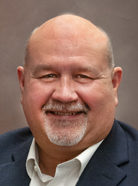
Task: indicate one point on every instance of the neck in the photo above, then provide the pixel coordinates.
(49, 160)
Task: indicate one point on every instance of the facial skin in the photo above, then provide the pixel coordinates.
(69, 93)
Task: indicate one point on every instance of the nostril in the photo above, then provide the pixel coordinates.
(64, 97)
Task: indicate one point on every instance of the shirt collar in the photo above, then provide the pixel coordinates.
(86, 155)
(32, 161)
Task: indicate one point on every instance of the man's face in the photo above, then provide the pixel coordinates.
(68, 92)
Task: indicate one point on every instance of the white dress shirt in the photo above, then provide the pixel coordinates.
(67, 173)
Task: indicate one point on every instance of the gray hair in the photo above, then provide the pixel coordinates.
(109, 50)
(27, 47)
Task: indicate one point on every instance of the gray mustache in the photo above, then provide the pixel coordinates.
(68, 107)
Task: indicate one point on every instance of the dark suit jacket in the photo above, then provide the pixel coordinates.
(114, 163)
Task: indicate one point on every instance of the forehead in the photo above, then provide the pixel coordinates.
(66, 46)
(66, 41)
(66, 52)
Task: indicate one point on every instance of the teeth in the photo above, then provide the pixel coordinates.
(65, 114)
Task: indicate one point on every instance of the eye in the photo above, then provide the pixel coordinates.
(81, 78)
(49, 77)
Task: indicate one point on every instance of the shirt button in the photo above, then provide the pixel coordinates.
(35, 168)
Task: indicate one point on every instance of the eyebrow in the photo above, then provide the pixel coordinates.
(42, 67)
(88, 69)
(46, 67)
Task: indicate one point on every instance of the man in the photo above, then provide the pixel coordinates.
(69, 94)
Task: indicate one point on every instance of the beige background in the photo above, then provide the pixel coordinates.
(19, 17)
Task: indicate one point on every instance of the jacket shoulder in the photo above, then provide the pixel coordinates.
(131, 132)
(11, 141)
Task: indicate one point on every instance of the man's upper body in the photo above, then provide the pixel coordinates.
(114, 163)
(69, 93)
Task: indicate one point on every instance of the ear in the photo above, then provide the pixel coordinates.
(116, 80)
(20, 72)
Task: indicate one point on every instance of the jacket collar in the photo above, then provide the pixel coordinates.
(104, 167)
(14, 172)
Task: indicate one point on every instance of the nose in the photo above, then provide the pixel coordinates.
(65, 91)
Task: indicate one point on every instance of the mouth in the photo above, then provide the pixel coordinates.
(65, 113)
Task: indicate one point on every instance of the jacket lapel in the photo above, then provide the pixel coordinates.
(14, 173)
(104, 167)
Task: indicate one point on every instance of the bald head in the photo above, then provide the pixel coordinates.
(74, 29)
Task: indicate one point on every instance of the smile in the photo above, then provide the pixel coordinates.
(65, 113)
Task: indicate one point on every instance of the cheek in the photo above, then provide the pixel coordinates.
(34, 97)
(91, 96)
(97, 96)
(36, 94)
(101, 115)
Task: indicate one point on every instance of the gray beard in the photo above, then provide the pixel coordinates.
(65, 135)
(65, 132)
